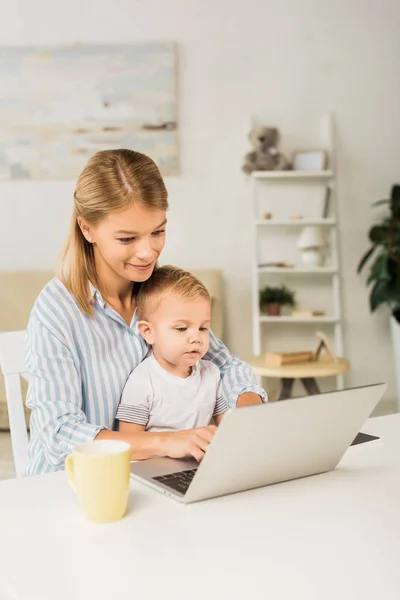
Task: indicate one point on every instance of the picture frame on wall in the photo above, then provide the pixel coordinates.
(61, 104)
(310, 160)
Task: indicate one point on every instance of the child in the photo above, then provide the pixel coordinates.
(173, 388)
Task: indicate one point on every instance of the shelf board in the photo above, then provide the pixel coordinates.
(294, 222)
(288, 319)
(326, 174)
(298, 270)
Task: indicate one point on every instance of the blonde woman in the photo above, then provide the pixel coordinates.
(83, 340)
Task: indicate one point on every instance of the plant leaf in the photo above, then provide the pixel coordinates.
(378, 295)
(379, 270)
(379, 202)
(365, 258)
(378, 234)
(395, 193)
(282, 295)
(394, 238)
(393, 268)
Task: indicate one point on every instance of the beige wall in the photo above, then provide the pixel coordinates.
(287, 62)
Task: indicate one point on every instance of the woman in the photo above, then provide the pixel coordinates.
(82, 335)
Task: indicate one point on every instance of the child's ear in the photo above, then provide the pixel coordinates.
(146, 331)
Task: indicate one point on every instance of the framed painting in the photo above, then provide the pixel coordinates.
(61, 105)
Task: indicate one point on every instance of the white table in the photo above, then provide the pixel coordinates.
(330, 537)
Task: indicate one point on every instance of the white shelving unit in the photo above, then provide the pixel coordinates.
(323, 319)
(295, 223)
(288, 175)
(299, 270)
(265, 184)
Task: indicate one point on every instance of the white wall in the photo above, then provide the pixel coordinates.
(287, 61)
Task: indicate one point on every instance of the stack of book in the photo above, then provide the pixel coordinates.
(278, 359)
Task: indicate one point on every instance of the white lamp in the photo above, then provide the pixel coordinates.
(311, 243)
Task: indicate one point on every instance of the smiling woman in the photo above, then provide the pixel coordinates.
(122, 257)
(118, 226)
(83, 339)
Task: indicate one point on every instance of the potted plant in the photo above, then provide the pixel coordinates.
(384, 269)
(273, 298)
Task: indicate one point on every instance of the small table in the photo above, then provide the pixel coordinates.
(307, 372)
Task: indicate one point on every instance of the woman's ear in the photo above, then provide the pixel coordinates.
(86, 230)
(146, 331)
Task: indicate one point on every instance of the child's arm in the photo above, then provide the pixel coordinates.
(133, 411)
(220, 405)
(218, 419)
(175, 444)
(126, 427)
(133, 414)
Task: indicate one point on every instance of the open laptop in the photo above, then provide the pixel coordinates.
(263, 444)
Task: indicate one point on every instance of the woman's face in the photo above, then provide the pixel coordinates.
(127, 243)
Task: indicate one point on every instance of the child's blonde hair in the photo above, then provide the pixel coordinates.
(110, 181)
(165, 281)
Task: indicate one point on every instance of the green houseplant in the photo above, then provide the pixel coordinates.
(273, 298)
(384, 258)
(384, 271)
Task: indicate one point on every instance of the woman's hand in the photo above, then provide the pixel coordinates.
(248, 399)
(188, 442)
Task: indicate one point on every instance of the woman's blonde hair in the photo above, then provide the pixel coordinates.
(164, 281)
(110, 181)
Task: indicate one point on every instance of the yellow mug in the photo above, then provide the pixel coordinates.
(98, 472)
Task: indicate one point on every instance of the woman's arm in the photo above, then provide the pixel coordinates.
(239, 385)
(58, 422)
(249, 398)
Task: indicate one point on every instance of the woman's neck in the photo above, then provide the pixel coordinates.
(117, 292)
(124, 305)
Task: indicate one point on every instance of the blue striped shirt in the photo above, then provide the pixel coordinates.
(79, 365)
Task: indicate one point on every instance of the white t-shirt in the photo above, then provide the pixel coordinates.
(164, 402)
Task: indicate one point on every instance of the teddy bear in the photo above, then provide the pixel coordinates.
(265, 156)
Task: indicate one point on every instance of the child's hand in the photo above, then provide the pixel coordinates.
(188, 442)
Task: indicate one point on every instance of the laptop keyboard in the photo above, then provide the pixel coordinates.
(178, 481)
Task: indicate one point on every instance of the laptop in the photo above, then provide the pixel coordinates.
(259, 445)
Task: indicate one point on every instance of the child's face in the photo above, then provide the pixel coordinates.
(180, 330)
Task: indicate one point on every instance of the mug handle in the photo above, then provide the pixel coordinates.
(69, 469)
